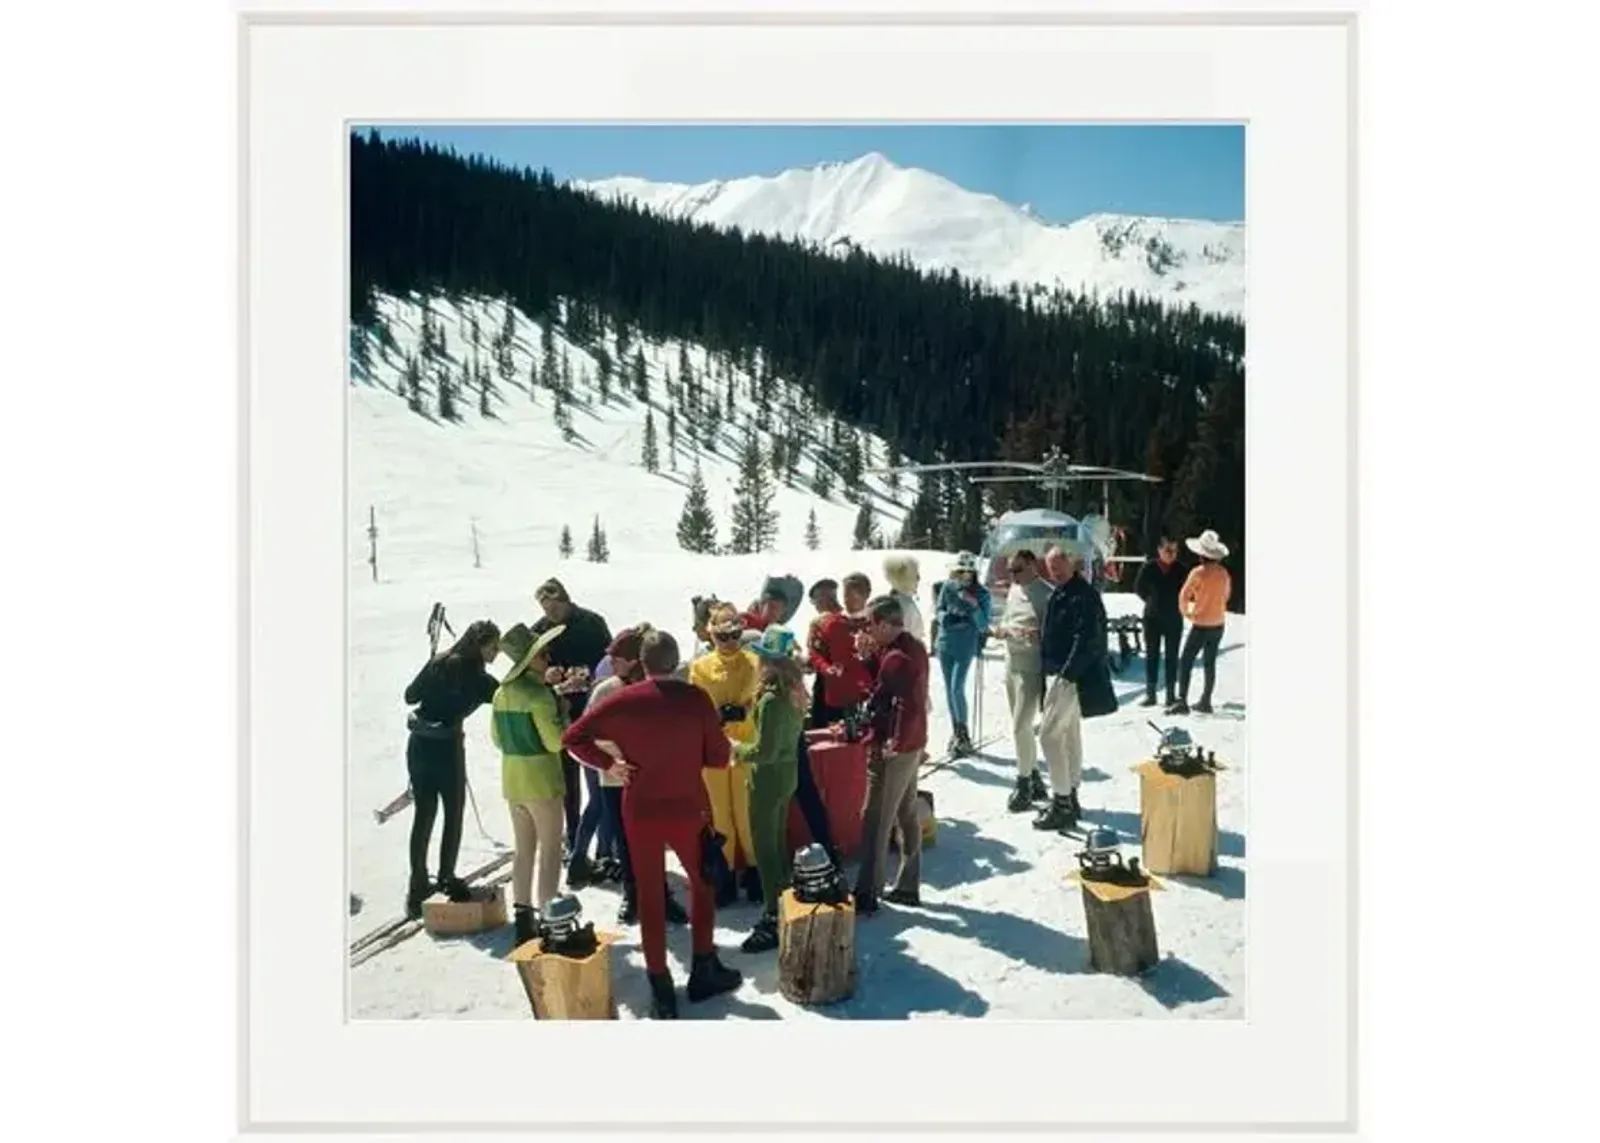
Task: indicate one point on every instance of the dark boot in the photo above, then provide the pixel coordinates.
(1039, 792)
(750, 882)
(527, 922)
(676, 913)
(455, 889)
(1149, 699)
(710, 977)
(663, 998)
(1022, 797)
(727, 891)
(866, 904)
(580, 872)
(421, 889)
(1179, 707)
(764, 937)
(904, 897)
(1057, 815)
(1203, 706)
(1075, 810)
(628, 914)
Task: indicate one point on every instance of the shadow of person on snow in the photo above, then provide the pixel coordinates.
(1015, 937)
(1227, 882)
(1173, 983)
(962, 855)
(1229, 844)
(982, 775)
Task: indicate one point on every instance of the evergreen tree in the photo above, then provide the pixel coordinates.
(413, 384)
(641, 380)
(599, 550)
(709, 424)
(672, 438)
(566, 542)
(850, 462)
(755, 519)
(822, 481)
(624, 343)
(566, 373)
(483, 394)
(892, 463)
(685, 371)
(533, 380)
(549, 370)
(477, 340)
(697, 527)
(813, 537)
(602, 375)
(563, 417)
(508, 328)
(863, 534)
(652, 454)
(447, 402)
(780, 461)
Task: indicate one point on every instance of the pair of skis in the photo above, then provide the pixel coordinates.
(490, 875)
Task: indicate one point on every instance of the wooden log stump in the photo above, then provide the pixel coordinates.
(1121, 925)
(1177, 821)
(487, 910)
(816, 950)
(567, 988)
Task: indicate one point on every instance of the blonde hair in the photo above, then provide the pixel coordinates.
(721, 613)
(901, 572)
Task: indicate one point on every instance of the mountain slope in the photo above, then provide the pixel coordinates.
(506, 483)
(888, 210)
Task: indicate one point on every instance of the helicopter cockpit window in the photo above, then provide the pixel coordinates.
(1010, 534)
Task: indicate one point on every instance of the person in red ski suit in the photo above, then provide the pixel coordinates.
(657, 735)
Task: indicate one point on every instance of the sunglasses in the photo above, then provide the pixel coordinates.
(727, 636)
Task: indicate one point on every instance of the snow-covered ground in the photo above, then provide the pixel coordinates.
(890, 210)
(1001, 932)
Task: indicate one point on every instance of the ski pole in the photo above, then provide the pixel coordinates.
(473, 798)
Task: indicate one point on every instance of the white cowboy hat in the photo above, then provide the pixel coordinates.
(964, 562)
(1208, 545)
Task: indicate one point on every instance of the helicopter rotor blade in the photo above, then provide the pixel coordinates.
(954, 466)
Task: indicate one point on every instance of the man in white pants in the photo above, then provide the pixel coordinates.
(1072, 654)
(1020, 622)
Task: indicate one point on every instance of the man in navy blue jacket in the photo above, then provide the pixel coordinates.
(1077, 679)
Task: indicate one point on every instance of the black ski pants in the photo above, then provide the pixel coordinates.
(1161, 638)
(438, 771)
(1203, 643)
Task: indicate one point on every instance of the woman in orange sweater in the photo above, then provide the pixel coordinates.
(1203, 600)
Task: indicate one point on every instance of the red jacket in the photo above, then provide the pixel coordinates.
(833, 644)
(753, 621)
(668, 731)
(898, 708)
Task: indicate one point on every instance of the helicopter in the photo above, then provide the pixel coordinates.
(1093, 536)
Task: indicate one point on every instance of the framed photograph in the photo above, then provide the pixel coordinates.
(833, 526)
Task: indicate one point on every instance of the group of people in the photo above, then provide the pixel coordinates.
(704, 755)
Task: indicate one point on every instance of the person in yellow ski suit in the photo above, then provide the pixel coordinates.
(731, 675)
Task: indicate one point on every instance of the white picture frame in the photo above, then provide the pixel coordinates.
(305, 76)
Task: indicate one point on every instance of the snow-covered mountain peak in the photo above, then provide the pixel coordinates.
(873, 204)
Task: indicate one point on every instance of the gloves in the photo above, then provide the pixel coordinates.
(731, 713)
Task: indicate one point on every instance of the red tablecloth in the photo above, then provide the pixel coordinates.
(840, 770)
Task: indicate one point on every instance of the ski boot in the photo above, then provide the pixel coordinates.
(866, 904)
(527, 922)
(911, 897)
(1058, 815)
(710, 977)
(1075, 810)
(1038, 790)
(727, 891)
(764, 937)
(1179, 707)
(663, 998)
(1203, 706)
(1149, 699)
(421, 889)
(456, 889)
(750, 882)
(581, 873)
(676, 913)
(963, 742)
(1022, 797)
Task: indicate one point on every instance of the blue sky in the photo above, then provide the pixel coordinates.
(1065, 172)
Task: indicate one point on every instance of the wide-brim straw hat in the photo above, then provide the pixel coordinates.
(1209, 545)
(520, 645)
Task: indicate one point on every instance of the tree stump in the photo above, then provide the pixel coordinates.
(487, 910)
(567, 988)
(1121, 924)
(816, 950)
(1177, 821)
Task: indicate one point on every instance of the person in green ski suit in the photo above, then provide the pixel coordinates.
(774, 756)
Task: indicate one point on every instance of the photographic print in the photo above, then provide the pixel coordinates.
(797, 572)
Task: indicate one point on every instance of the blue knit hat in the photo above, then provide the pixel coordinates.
(775, 643)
